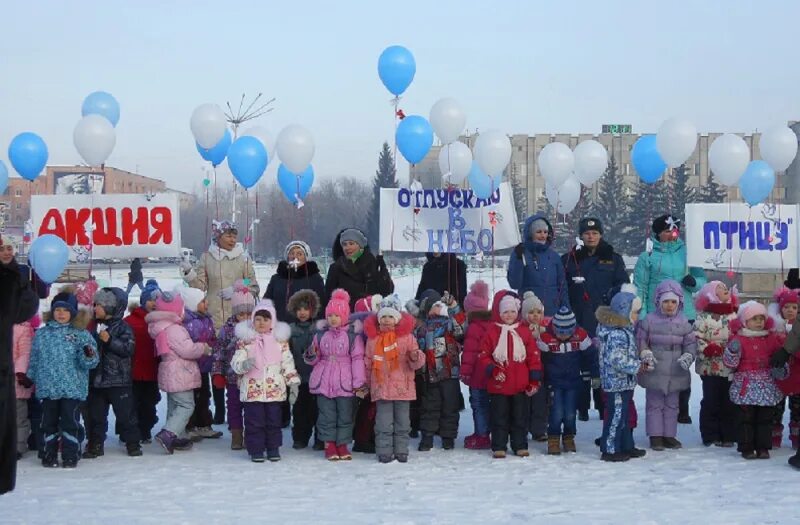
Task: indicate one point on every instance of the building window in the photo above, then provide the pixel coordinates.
(19, 205)
(18, 192)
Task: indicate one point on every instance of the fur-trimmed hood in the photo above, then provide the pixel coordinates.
(158, 321)
(404, 327)
(774, 313)
(304, 270)
(80, 320)
(527, 235)
(605, 315)
(306, 296)
(245, 332)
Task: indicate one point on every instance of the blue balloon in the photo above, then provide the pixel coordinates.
(3, 177)
(49, 256)
(218, 153)
(295, 186)
(247, 159)
(757, 182)
(396, 67)
(101, 103)
(483, 186)
(646, 160)
(28, 154)
(414, 138)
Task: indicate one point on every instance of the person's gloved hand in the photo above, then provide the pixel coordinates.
(532, 388)
(648, 359)
(713, 350)
(310, 354)
(226, 293)
(595, 383)
(685, 360)
(294, 391)
(23, 380)
(218, 381)
(519, 249)
(499, 375)
(688, 281)
(779, 358)
(88, 351)
(248, 364)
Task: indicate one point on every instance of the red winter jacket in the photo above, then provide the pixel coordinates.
(519, 376)
(478, 323)
(145, 361)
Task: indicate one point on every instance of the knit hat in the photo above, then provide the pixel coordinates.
(219, 228)
(370, 303)
(564, 322)
(150, 288)
(625, 302)
(666, 222)
(242, 300)
(784, 296)
(390, 306)
(355, 235)
(509, 303)
(590, 223)
(531, 302)
(669, 296)
(191, 297)
(751, 309)
(427, 300)
(85, 291)
(339, 304)
(299, 244)
(170, 302)
(105, 297)
(478, 297)
(65, 300)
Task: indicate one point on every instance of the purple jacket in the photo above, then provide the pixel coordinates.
(668, 337)
(224, 348)
(338, 369)
(201, 330)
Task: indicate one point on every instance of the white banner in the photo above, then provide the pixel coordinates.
(447, 221)
(740, 238)
(110, 225)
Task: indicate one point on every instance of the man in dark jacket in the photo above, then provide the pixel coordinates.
(444, 272)
(594, 273)
(18, 303)
(355, 269)
(111, 383)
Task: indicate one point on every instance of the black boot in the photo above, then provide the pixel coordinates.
(93, 450)
(795, 460)
(426, 443)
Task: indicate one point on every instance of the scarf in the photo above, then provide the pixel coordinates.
(386, 353)
(357, 255)
(720, 308)
(500, 354)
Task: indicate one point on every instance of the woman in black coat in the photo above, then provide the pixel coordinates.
(444, 272)
(297, 272)
(355, 269)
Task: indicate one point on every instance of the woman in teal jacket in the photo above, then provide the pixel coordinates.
(667, 260)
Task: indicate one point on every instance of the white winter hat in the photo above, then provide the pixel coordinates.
(191, 297)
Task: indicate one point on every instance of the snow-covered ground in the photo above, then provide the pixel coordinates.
(212, 484)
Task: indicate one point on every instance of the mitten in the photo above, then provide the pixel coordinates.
(23, 380)
(248, 364)
(218, 381)
(689, 282)
(310, 354)
(294, 390)
(685, 360)
(88, 351)
(595, 383)
(713, 350)
(519, 249)
(648, 360)
(226, 293)
(779, 358)
(532, 388)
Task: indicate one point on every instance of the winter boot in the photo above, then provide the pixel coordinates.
(134, 449)
(299, 445)
(208, 433)
(499, 454)
(331, 453)
(749, 454)
(448, 443)
(167, 440)
(795, 460)
(794, 434)
(657, 443)
(237, 439)
(762, 454)
(469, 441)
(583, 415)
(401, 458)
(540, 438)
(553, 445)
(522, 453)
(69, 463)
(319, 446)
(614, 458)
(777, 436)
(484, 442)
(568, 443)
(636, 453)
(671, 442)
(194, 434)
(343, 453)
(274, 455)
(183, 444)
(426, 443)
(385, 458)
(258, 458)
(93, 450)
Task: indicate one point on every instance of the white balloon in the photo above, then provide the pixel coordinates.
(676, 140)
(728, 158)
(568, 195)
(455, 159)
(492, 152)
(94, 138)
(448, 119)
(778, 146)
(295, 148)
(591, 161)
(266, 138)
(208, 125)
(556, 162)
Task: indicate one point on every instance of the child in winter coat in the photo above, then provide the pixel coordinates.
(619, 364)
(146, 395)
(533, 315)
(62, 354)
(266, 369)
(178, 373)
(391, 358)
(784, 314)
(337, 357)
(479, 318)
(511, 361)
(716, 307)
(111, 383)
(753, 387)
(200, 326)
(568, 355)
(23, 337)
(667, 346)
(304, 308)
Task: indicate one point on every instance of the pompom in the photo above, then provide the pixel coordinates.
(340, 295)
(480, 288)
(528, 295)
(239, 286)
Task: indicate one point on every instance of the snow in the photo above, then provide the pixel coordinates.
(212, 484)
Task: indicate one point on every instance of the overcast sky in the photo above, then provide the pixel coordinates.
(519, 66)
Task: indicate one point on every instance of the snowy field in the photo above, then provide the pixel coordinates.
(212, 484)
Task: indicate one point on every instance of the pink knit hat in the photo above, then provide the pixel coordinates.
(509, 303)
(170, 302)
(339, 304)
(370, 303)
(478, 297)
(751, 309)
(85, 292)
(784, 296)
(242, 300)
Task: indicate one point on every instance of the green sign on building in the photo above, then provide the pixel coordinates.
(617, 128)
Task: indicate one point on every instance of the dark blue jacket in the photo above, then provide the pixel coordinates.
(538, 269)
(567, 364)
(287, 280)
(592, 281)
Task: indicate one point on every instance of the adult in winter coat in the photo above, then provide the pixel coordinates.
(41, 288)
(18, 303)
(135, 276)
(444, 272)
(297, 272)
(219, 268)
(355, 269)
(667, 260)
(535, 266)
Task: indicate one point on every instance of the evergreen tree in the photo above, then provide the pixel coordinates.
(612, 204)
(648, 201)
(681, 192)
(562, 230)
(712, 191)
(385, 177)
(520, 196)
